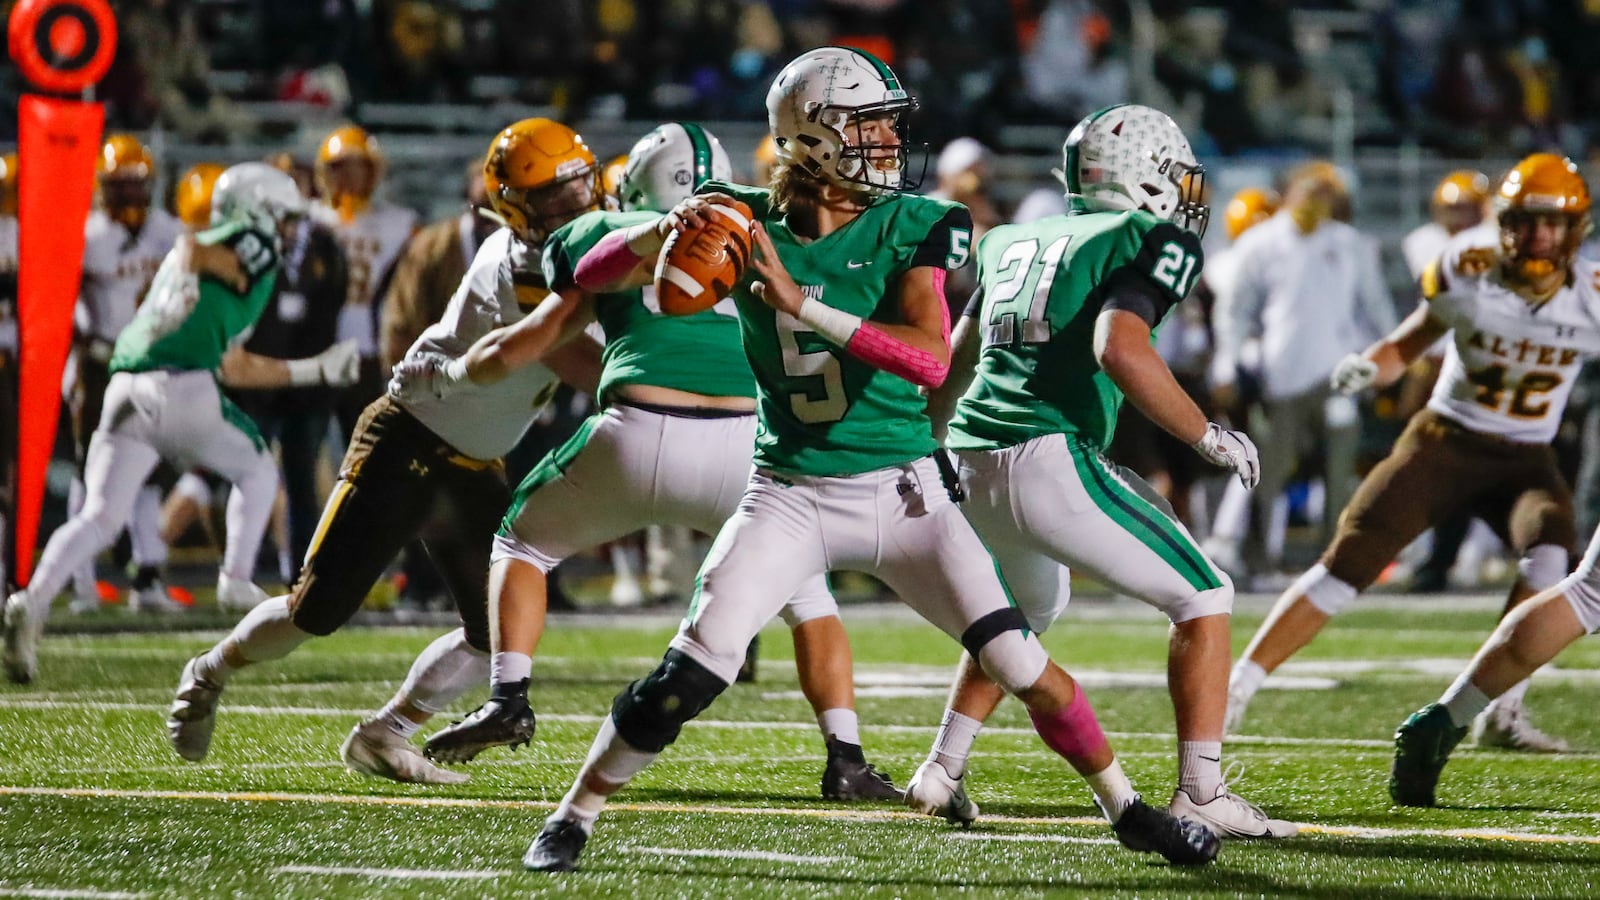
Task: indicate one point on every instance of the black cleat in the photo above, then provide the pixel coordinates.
(499, 722)
(847, 780)
(557, 847)
(1422, 746)
(752, 655)
(1146, 829)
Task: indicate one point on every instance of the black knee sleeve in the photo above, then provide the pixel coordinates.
(650, 712)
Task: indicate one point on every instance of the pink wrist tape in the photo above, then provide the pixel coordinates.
(874, 347)
(606, 262)
(1073, 732)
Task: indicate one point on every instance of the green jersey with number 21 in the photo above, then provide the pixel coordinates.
(821, 410)
(1042, 286)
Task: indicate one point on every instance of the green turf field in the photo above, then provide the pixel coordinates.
(94, 804)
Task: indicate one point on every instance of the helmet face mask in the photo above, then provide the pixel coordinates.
(840, 115)
(256, 195)
(1128, 157)
(669, 164)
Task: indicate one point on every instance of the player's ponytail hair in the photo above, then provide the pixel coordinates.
(794, 189)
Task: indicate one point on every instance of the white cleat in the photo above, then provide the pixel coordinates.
(21, 633)
(1507, 727)
(933, 792)
(373, 749)
(238, 594)
(193, 714)
(1230, 816)
(154, 599)
(83, 604)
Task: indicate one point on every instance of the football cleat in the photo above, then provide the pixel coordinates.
(1230, 816)
(1422, 746)
(1506, 726)
(847, 780)
(1143, 828)
(507, 722)
(83, 604)
(153, 598)
(374, 749)
(21, 633)
(557, 847)
(238, 594)
(193, 713)
(933, 792)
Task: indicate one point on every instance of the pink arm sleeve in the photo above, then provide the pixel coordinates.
(606, 262)
(876, 348)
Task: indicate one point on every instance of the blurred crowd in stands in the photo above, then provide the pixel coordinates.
(1467, 77)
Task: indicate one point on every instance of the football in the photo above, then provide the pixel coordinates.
(699, 266)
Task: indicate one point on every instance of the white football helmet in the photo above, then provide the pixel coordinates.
(1133, 157)
(669, 164)
(255, 194)
(813, 105)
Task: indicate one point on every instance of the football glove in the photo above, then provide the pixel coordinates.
(426, 376)
(1231, 450)
(1353, 374)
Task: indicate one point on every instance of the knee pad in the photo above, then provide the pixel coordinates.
(1001, 644)
(1542, 566)
(650, 712)
(1324, 591)
(803, 607)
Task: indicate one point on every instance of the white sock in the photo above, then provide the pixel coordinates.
(1112, 791)
(1200, 769)
(265, 633)
(389, 717)
(144, 529)
(610, 766)
(954, 742)
(506, 667)
(840, 724)
(249, 508)
(1246, 679)
(442, 672)
(1464, 700)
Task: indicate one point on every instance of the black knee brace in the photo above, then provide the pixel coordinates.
(650, 712)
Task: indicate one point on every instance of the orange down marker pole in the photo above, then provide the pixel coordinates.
(61, 47)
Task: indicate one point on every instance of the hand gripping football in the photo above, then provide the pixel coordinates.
(699, 266)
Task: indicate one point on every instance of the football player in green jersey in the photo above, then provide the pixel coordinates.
(843, 320)
(164, 402)
(670, 446)
(1058, 331)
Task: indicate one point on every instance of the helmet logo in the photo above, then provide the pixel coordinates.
(681, 177)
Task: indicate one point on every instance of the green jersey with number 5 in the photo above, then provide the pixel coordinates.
(1041, 287)
(821, 410)
(699, 353)
(175, 329)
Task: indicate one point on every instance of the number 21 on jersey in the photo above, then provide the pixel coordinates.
(1015, 315)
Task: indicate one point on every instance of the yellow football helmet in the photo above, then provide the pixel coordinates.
(192, 199)
(125, 170)
(8, 184)
(1248, 208)
(766, 158)
(1542, 184)
(611, 175)
(539, 175)
(349, 167)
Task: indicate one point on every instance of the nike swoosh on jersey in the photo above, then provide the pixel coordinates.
(852, 264)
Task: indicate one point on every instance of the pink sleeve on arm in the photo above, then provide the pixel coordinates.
(876, 348)
(606, 262)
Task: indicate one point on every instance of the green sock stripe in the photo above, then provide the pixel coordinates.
(1145, 522)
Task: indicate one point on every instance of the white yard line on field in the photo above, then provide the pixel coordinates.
(761, 855)
(1029, 838)
(407, 874)
(67, 893)
(856, 815)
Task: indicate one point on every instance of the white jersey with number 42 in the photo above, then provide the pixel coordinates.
(1510, 366)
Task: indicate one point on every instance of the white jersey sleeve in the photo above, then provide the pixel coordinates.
(485, 422)
(118, 267)
(372, 242)
(1510, 365)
